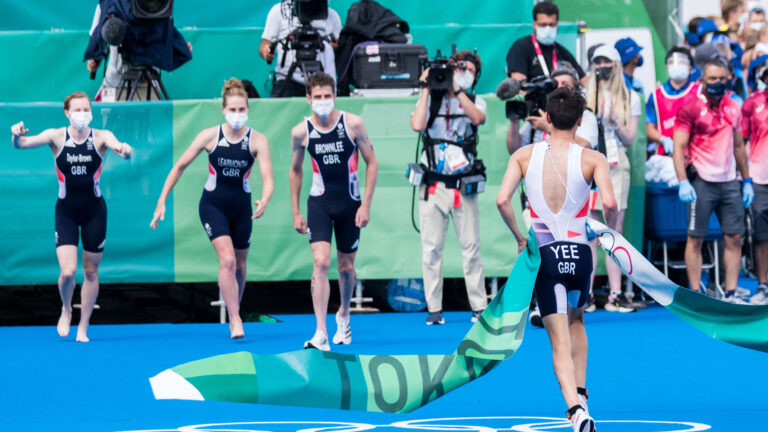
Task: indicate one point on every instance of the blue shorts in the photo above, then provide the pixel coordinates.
(232, 219)
(564, 277)
(324, 219)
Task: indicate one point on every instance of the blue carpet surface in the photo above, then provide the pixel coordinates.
(648, 371)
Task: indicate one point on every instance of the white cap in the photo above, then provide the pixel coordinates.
(606, 51)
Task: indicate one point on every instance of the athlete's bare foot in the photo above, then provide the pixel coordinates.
(82, 334)
(64, 320)
(236, 329)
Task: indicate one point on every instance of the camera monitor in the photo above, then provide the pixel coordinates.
(152, 9)
(310, 10)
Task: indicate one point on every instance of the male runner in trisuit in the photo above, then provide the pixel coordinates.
(332, 138)
(558, 215)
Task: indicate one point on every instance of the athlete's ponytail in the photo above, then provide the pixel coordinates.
(233, 87)
(75, 95)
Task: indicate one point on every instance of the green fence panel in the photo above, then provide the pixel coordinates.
(133, 253)
(218, 55)
(78, 14)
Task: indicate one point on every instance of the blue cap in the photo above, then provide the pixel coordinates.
(706, 26)
(753, 66)
(692, 38)
(627, 49)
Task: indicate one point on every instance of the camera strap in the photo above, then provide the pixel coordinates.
(540, 56)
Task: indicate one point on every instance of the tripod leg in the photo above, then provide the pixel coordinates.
(291, 70)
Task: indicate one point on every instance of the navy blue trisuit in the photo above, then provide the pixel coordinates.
(335, 194)
(80, 206)
(225, 206)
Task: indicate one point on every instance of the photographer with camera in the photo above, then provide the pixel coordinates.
(536, 127)
(302, 36)
(448, 119)
(618, 110)
(537, 55)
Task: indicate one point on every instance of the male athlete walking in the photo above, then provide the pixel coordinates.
(559, 214)
(333, 139)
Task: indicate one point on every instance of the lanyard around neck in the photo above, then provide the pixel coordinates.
(541, 56)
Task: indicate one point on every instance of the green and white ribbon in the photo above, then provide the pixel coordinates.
(738, 324)
(402, 383)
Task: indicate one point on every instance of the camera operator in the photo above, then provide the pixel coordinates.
(449, 127)
(281, 23)
(538, 127)
(129, 41)
(538, 54)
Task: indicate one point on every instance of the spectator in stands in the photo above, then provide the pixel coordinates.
(756, 19)
(536, 128)
(280, 24)
(754, 125)
(708, 126)
(631, 59)
(538, 54)
(618, 110)
(734, 12)
(691, 36)
(664, 103)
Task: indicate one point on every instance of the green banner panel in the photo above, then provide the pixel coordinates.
(133, 253)
(78, 14)
(218, 54)
(180, 251)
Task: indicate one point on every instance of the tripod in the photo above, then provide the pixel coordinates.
(136, 75)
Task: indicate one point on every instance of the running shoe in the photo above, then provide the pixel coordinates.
(590, 306)
(743, 293)
(343, 334)
(733, 297)
(581, 421)
(583, 399)
(535, 318)
(435, 318)
(617, 303)
(761, 296)
(319, 341)
(476, 315)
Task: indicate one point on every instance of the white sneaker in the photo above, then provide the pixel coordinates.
(343, 331)
(583, 403)
(761, 296)
(743, 293)
(581, 421)
(733, 298)
(318, 341)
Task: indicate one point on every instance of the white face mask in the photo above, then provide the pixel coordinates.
(464, 79)
(678, 72)
(80, 119)
(323, 108)
(236, 120)
(756, 26)
(760, 85)
(546, 35)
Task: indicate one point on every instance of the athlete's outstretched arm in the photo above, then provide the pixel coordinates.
(120, 148)
(189, 155)
(602, 177)
(509, 184)
(29, 142)
(365, 145)
(265, 166)
(298, 135)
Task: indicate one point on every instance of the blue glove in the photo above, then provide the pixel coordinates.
(686, 193)
(668, 145)
(747, 193)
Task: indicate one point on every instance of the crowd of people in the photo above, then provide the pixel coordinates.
(709, 117)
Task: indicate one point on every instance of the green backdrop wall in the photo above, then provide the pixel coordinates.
(179, 250)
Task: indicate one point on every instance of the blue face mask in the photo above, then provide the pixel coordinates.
(546, 35)
(640, 61)
(716, 90)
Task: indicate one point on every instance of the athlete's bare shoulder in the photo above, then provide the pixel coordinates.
(299, 134)
(522, 156)
(353, 120)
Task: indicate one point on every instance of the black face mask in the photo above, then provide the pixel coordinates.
(717, 90)
(604, 73)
